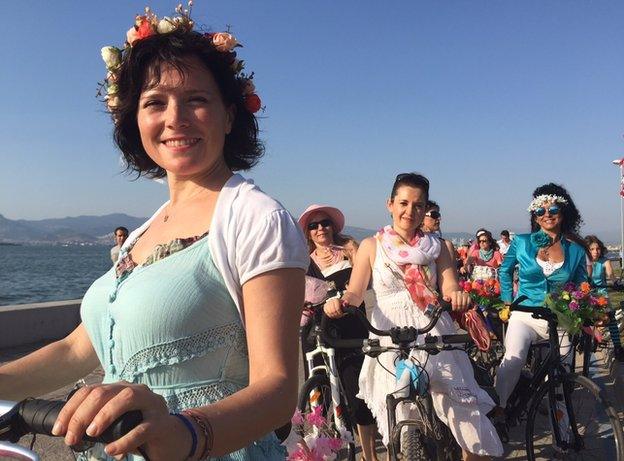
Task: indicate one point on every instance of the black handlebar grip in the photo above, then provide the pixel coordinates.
(38, 417)
(456, 339)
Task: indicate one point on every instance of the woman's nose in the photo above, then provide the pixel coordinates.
(176, 115)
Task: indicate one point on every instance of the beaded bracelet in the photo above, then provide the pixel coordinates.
(206, 428)
(191, 429)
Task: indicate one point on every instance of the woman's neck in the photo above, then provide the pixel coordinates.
(322, 246)
(210, 182)
(407, 236)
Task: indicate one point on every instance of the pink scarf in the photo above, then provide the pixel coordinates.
(413, 258)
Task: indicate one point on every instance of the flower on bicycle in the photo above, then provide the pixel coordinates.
(316, 418)
(297, 418)
(314, 437)
(576, 307)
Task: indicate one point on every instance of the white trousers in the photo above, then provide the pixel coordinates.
(522, 330)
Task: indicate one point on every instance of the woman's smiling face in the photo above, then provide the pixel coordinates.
(407, 208)
(183, 120)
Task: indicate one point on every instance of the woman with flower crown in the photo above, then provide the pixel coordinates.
(196, 325)
(405, 266)
(548, 258)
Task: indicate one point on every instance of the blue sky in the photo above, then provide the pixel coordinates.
(488, 99)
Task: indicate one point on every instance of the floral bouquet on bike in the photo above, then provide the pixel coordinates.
(486, 295)
(314, 437)
(577, 307)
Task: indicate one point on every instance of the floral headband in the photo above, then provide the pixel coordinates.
(541, 200)
(147, 25)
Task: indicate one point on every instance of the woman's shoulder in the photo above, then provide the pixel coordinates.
(244, 203)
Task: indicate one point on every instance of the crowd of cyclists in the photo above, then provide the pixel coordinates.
(408, 263)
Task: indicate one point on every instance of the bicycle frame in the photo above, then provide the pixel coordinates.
(549, 371)
(331, 370)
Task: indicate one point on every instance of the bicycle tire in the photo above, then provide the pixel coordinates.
(579, 393)
(412, 445)
(320, 384)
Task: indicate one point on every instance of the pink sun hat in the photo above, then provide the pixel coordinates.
(334, 214)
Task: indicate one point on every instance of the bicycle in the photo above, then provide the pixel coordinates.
(553, 400)
(425, 438)
(36, 416)
(323, 386)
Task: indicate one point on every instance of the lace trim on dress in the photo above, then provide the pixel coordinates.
(181, 350)
(200, 396)
(126, 264)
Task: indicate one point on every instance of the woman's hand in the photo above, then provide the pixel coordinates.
(333, 308)
(93, 408)
(460, 300)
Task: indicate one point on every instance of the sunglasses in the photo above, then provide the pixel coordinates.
(433, 214)
(484, 241)
(323, 223)
(552, 211)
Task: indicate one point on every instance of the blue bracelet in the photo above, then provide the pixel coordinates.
(191, 429)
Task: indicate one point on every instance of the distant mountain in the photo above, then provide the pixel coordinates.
(79, 229)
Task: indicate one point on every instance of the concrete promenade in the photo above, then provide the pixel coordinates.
(609, 374)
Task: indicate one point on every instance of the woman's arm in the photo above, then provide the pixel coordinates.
(271, 303)
(448, 281)
(452, 252)
(350, 249)
(580, 271)
(506, 270)
(608, 270)
(49, 368)
(358, 282)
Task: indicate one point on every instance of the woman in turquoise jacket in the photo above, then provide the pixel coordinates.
(552, 255)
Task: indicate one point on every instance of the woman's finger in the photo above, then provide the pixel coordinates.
(80, 410)
(134, 439)
(129, 398)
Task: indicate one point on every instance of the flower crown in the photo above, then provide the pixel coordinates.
(147, 25)
(540, 200)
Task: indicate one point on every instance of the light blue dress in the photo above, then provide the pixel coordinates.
(173, 326)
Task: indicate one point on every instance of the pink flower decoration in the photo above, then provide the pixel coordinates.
(403, 254)
(297, 419)
(574, 306)
(316, 418)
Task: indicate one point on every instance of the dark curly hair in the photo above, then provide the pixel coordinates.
(571, 217)
(242, 148)
(591, 239)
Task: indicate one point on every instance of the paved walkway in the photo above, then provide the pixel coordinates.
(610, 379)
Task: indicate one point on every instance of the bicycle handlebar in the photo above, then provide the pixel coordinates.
(36, 416)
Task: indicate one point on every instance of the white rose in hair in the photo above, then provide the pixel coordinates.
(166, 25)
(111, 56)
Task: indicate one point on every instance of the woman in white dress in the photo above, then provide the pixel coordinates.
(405, 265)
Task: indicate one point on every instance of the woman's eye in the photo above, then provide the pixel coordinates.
(151, 103)
(199, 99)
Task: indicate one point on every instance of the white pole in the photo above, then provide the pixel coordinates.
(621, 165)
(621, 220)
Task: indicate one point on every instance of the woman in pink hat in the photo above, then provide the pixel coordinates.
(332, 255)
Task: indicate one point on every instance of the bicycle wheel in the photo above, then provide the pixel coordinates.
(447, 449)
(574, 407)
(317, 391)
(412, 445)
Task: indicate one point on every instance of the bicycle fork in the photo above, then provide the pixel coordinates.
(331, 370)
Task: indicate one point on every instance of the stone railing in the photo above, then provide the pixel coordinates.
(31, 323)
